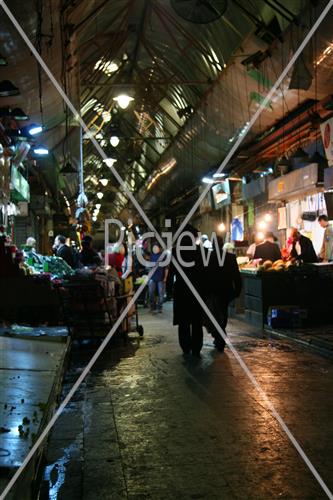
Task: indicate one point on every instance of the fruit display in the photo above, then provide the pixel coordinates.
(269, 266)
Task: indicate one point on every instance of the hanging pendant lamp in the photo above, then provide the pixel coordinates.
(300, 155)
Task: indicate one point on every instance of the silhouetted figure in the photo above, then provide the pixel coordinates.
(88, 256)
(268, 250)
(222, 285)
(187, 313)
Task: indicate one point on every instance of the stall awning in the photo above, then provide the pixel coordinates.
(301, 182)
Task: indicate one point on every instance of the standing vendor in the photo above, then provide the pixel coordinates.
(300, 247)
(268, 250)
(326, 252)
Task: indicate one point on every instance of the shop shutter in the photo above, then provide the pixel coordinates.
(20, 231)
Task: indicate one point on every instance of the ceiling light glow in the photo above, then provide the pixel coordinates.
(123, 100)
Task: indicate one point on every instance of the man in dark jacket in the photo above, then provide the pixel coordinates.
(187, 313)
(268, 250)
(62, 250)
(88, 256)
(302, 247)
(222, 285)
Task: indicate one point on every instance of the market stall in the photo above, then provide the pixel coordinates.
(288, 295)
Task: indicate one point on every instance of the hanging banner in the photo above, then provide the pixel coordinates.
(282, 218)
(326, 129)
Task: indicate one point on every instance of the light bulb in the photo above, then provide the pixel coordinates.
(262, 225)
(123, 100)
(109, 161)
(221, 227)
(260, 235)
(104, 182)
(114, 140)
(268, 218)
(100, 195)
(98, 206)
(94, 218)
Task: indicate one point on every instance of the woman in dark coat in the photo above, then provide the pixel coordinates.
(187, 312)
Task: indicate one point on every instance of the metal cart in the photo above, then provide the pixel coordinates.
(122, 301)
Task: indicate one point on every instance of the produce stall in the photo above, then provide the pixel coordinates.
(304, 292)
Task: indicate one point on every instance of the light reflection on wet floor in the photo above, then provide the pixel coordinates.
(149, 424)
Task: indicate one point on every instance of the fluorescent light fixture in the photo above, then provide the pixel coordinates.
(104, 182)
(100, 195)
(109, 161)
(207, 180)
(107, 67)
(114, 140)
(123, 100)
(219, 175)
(41, 150)
(35, 129)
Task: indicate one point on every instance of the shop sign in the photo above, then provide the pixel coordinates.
(19, 186)
(221, 194)
(327, 137)
(280, 187)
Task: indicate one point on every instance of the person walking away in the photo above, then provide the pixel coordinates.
(88, 256)
(187, 312)
(300, 247)
(62, 250)
(157, 281)
(326, 252)
(268, 250)
(223, 285)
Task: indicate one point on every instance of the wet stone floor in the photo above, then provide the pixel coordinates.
(148, 423)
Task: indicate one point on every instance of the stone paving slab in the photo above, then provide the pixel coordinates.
(316, 338)
(148, 424)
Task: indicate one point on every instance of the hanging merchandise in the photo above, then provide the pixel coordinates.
(237, 230)
(282, 218)
(250, 214)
